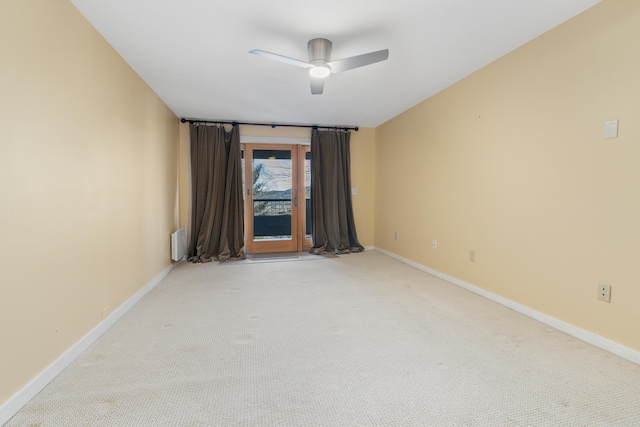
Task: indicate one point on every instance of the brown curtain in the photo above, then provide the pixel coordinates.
(332, 226)
(217, 224)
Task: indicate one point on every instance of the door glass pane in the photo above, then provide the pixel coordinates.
(307, 192)
(271, 194)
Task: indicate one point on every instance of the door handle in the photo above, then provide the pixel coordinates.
(295, 201)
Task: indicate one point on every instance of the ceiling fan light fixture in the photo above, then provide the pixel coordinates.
(320, 71)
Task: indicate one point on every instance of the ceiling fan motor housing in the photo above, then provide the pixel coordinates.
(319, 51)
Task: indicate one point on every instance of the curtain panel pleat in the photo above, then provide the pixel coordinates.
(332, 224)
(217, 223)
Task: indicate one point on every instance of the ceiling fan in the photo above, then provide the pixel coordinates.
(320, 65)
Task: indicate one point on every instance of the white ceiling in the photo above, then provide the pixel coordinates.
(194, 53)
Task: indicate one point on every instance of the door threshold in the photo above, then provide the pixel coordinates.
(278, 255)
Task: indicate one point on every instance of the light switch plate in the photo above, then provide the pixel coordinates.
(611, 129)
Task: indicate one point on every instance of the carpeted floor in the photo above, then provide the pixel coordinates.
(359, 340)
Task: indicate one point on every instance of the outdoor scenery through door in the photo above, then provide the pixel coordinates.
(277, 182)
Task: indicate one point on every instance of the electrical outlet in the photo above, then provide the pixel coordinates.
(395, 235)
(472, 255)
(604, 292)
(434, 244)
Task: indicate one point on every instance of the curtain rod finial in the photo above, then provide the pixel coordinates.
(183, 120)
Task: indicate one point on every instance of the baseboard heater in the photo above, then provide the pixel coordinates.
(179, 244)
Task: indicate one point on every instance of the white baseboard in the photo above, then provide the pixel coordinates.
(22, 397)
(589, 337)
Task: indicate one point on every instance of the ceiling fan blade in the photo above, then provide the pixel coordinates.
(317, 86)
(358, 61)
(285, 59)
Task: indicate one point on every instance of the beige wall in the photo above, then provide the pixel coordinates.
(87, 181)
(362, 172)
(511, 162)
(363, 161)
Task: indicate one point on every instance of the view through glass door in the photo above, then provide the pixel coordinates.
(277, 181)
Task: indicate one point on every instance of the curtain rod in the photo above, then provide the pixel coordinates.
(273, 125)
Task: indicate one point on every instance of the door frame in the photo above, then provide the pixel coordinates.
(298, 241)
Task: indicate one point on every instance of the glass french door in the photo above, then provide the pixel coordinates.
(277, 181)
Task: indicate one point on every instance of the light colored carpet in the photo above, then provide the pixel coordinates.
(359, 340)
